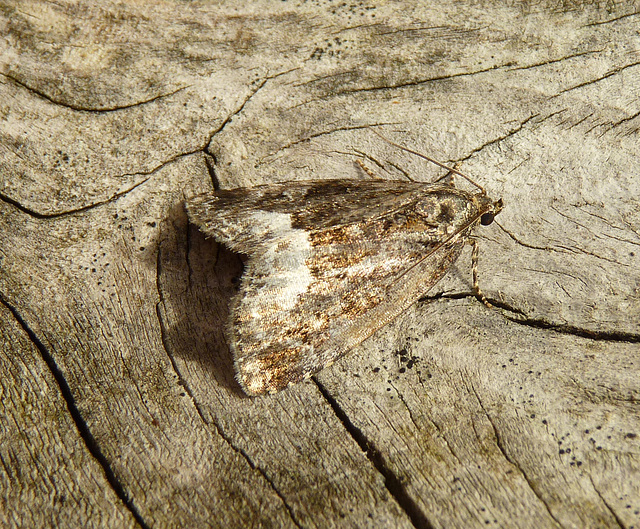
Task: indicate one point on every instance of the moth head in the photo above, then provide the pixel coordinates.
(487, 217)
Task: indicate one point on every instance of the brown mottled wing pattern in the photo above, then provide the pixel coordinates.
(330, 262)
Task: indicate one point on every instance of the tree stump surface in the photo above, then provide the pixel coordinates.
(119, 403)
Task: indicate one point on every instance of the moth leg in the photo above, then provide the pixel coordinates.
(474, 271)
(367, 170)
(448, 178)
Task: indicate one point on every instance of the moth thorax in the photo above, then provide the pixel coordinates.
(440, 209)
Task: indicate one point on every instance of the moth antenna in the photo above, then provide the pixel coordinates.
(474, 271)
(425, 157)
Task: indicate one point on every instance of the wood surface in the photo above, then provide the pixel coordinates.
(119, 406)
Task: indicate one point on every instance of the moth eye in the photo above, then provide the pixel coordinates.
(487, 218)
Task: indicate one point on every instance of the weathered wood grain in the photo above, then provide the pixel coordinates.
(50, 476)
(119, 406)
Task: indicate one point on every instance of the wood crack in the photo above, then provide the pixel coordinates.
(510, 133)
(553, 61)
(319, 134)
(241, 452)
(417, 82)
(409, 412)
(592, 232)
(611, 20)
(622, 121)
(603, 336)
(501, 447)
(568, 249)
(611, 73)
(532, 246)
(246, 100)
(613, 513)
(391, 481)
(539, 323)
(36, 214)
(237, 111)
(446, 441)
(163, 338)
(81, 425)
(100, 110)
(210, 162)
(507, 66)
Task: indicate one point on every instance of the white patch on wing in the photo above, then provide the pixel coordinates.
(287, 275)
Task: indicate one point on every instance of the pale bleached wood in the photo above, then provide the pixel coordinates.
(454, 415)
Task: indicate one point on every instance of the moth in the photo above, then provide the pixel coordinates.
(332, 261)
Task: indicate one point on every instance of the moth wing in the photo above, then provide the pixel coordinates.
(300, 309)
(248, 219)
(330, 262)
